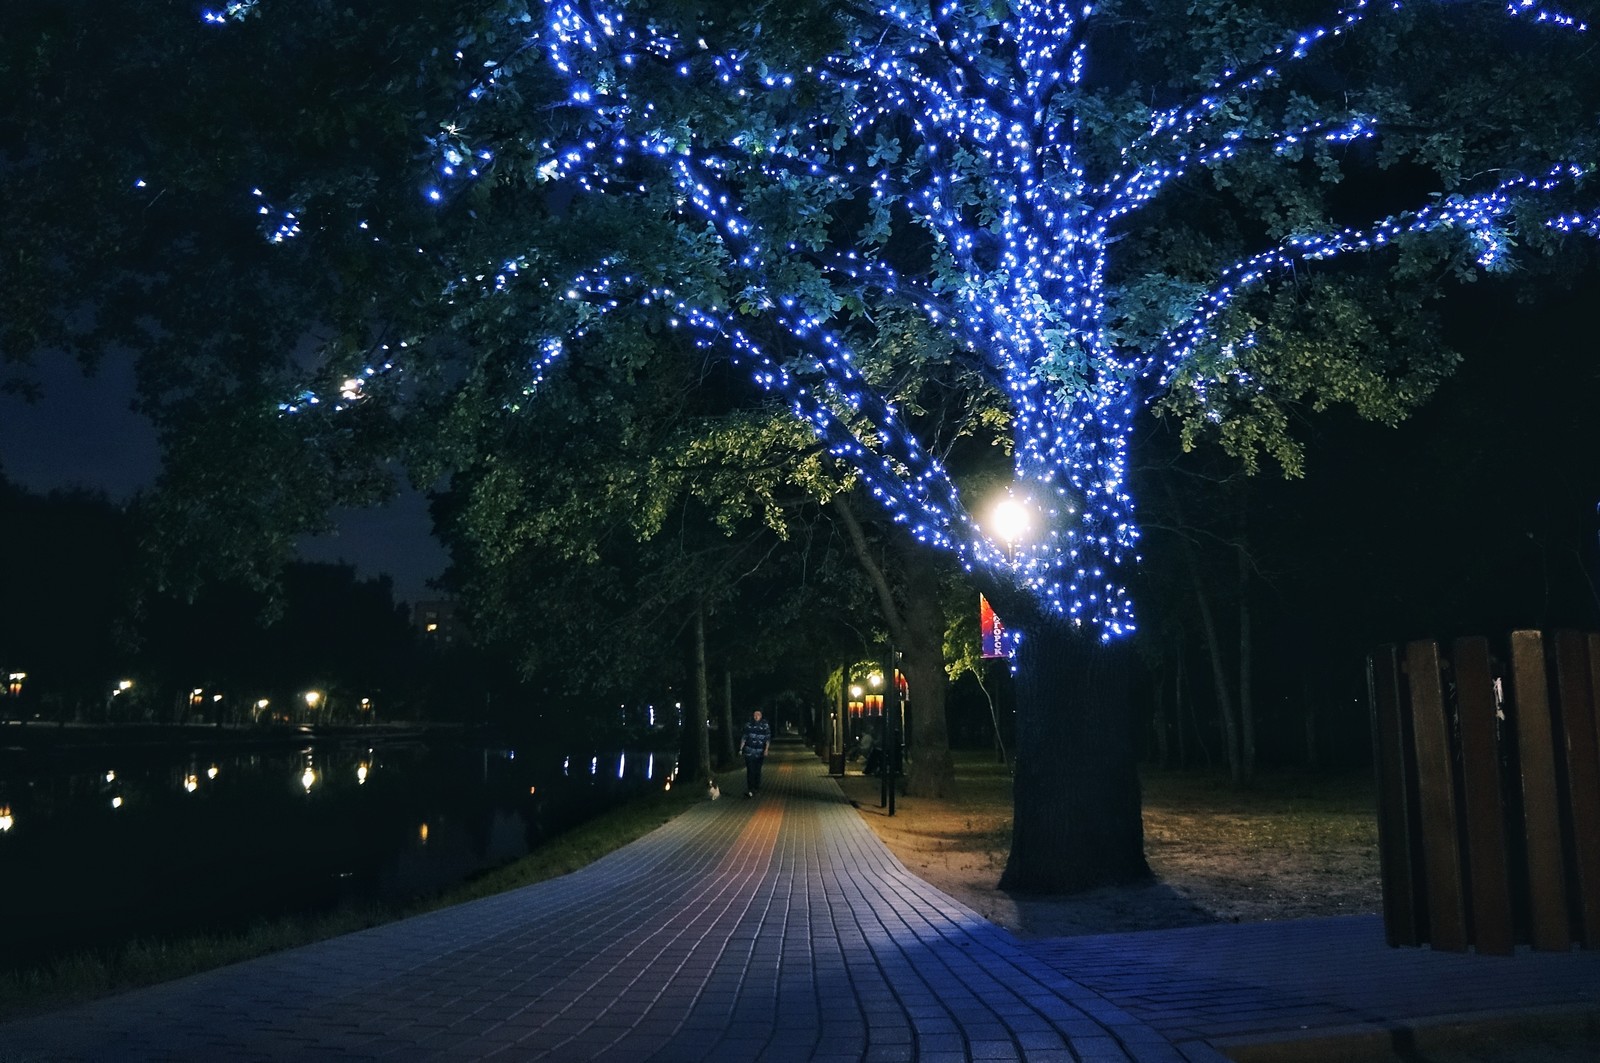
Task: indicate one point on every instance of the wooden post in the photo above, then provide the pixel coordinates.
(1547, 894)
(1576, 721)
(1394, 800)
(1489, 882)
(1446, 915)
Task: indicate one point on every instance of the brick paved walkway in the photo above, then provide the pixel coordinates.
(781, 929)
(771, 929)
(1238, 984)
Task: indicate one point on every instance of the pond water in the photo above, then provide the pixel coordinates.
(99, 846)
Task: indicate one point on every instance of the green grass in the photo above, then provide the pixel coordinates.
(101, 972)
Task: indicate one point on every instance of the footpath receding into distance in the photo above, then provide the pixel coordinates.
(779, 928)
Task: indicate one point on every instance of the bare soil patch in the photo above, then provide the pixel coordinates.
(1290, 847)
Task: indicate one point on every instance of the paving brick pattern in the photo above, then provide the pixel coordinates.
(771, 929)
(1222, 983)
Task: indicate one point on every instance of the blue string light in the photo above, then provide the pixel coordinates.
(965, 122)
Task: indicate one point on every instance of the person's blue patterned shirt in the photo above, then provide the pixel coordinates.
(757, 735)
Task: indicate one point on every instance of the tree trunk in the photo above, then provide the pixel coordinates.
(726, 753)
(697, 738)
(994, 713)
(1076, 821)
(1160, 724)
(916, 623)
(1247, 711)
(933, 771)
(1219, 671)
(1177, 708)
(1308, 709)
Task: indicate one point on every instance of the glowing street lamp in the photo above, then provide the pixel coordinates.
(1011, 520)
(14, 683)
(122, 687)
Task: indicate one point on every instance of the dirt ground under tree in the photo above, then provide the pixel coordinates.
(1290, 847)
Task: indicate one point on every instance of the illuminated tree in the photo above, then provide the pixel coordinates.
(1094, 207)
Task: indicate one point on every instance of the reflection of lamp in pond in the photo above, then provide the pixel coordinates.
(361, 773)
(308, 778)
(116, 802)
(7, 820)
(422, 834)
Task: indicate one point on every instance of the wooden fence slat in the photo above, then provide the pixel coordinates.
(1489, 882)
(1394, 826)
(1446, 917)
(1583, 776)
(1547, 891)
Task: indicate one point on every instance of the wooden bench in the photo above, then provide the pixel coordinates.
(1488, 774)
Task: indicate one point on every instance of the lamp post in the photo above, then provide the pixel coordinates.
(889, 704)
(312, 698)
(122, 687)
(836, 739)
(14, 696)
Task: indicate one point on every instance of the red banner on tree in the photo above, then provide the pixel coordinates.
(997, 641)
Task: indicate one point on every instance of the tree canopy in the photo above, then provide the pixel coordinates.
(1227, 211)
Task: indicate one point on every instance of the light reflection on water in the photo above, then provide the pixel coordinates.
(111, 846)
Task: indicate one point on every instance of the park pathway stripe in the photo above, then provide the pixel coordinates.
(768, 930)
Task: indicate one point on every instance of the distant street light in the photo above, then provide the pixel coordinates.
(122, 687)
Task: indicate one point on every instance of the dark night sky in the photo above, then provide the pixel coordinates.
(83, 434)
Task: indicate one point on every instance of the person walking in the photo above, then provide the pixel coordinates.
(757, 740)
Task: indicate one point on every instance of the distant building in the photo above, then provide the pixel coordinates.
(436, 622)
